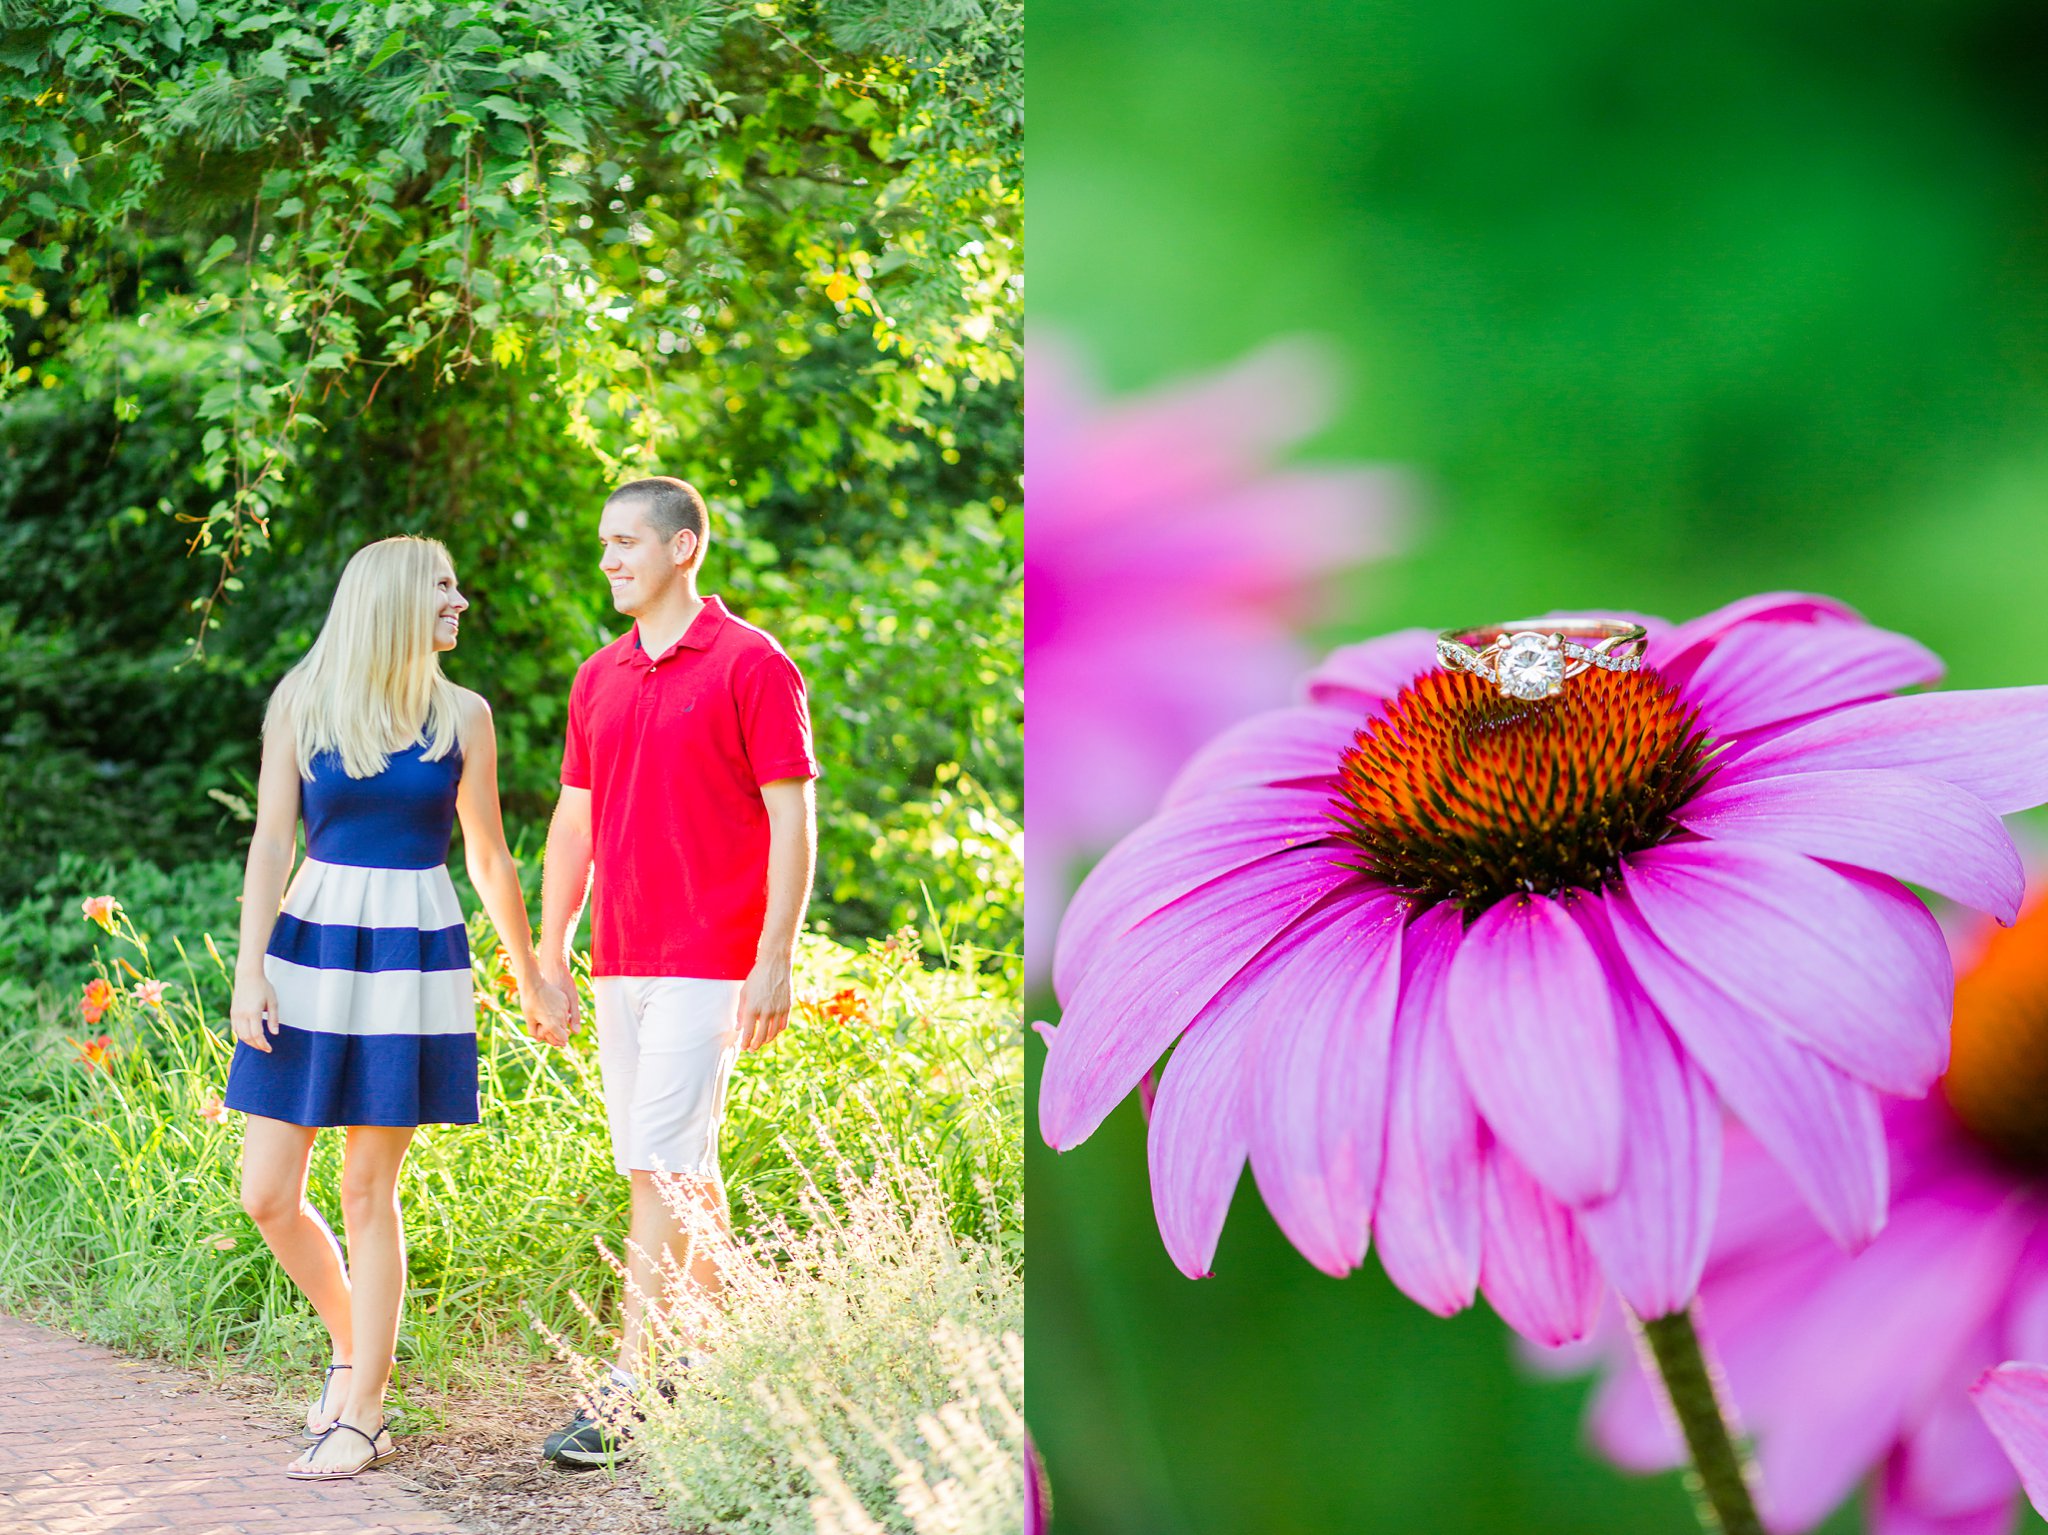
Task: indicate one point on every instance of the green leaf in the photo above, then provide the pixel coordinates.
(215, 253)
(390, 46)
(507, 108)
(273, 63)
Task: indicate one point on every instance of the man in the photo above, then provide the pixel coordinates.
(686, 780)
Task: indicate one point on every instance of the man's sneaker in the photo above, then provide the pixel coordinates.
(596, 1439)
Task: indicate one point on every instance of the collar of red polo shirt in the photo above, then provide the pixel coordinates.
(702, 631)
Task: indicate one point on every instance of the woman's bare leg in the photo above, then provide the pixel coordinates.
(274, 1160)
(376, 1250)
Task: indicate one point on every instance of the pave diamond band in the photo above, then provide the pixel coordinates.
(1533, 658)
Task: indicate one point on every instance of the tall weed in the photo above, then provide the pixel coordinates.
(862, 1372)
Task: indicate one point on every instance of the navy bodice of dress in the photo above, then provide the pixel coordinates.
(401, 818)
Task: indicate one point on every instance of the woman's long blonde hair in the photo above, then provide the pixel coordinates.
(371, 684)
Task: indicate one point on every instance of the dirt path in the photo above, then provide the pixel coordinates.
(95, 1443)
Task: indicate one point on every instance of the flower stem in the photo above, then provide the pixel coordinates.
(1719, 1488)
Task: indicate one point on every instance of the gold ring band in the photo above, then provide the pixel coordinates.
(1532, 658)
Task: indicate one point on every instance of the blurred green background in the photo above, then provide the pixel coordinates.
(1664, 306)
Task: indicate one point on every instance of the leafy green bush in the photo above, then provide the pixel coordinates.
(118, 745)
(295, 279)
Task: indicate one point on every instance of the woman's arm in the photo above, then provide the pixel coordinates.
(492, 871)
(263, 881)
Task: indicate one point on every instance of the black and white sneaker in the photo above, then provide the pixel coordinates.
(594, 1440)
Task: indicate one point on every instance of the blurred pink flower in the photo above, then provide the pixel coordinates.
(150, 993)
(1469, 974)
(1845, 1367)
(1166, 567)
(1036, 1498)
(101, 909)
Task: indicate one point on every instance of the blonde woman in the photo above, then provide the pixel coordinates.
(352, 1005)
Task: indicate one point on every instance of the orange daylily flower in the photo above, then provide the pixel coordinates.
(101, 909)
(98, 997)
(844, 1005)
(93, 1053)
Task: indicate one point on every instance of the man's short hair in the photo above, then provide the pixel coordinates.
(671, 505)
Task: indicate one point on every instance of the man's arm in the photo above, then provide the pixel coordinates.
(792, 853)
(564, 885)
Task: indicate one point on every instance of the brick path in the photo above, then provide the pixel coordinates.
(92, 1443)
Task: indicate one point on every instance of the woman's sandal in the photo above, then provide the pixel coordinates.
(321, 1406)
(375, 1458)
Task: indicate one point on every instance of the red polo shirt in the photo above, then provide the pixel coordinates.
(674, 749)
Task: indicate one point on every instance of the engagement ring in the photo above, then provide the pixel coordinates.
(1533, 658)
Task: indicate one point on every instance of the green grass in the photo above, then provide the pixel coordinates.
(119, 1210)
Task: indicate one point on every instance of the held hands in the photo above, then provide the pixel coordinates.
(764, 1002)
(253, 1011)
(550, 1006)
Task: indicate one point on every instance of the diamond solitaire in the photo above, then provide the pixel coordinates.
(1533, 659)
(1530, 665)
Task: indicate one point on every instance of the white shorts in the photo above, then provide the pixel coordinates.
(665, 1051)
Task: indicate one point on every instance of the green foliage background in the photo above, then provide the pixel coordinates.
(281, 279)
(1665, 305)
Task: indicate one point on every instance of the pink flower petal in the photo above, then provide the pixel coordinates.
(1196, 1143)
(1907, 825)
(1533, 1021)
(1301, 747)
(1428, 1218)
(1950, 1465)
(1894, 1510)
(1679, 654)
(1823, 1128)
(1831, 1379)
(1630, 1420)
(1363, 677)
(1652, 1235)
(1318, 1108)
(2026, 1315)
(1762, 673)
(1135, 1000)
(1252, 544)
(1538, 1272)
(1174, 855)
(2014, 1401)
(1141, 456)
(1200, 1126)
(1991, 741)
(1857, 971)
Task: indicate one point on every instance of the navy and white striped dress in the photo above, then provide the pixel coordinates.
(369, 959)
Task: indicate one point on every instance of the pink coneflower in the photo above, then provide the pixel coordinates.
(1468, 973)
(1166, 565)
(1846, 1367)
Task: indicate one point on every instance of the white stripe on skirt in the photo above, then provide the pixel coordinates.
(372, 1002)
(349, 896)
